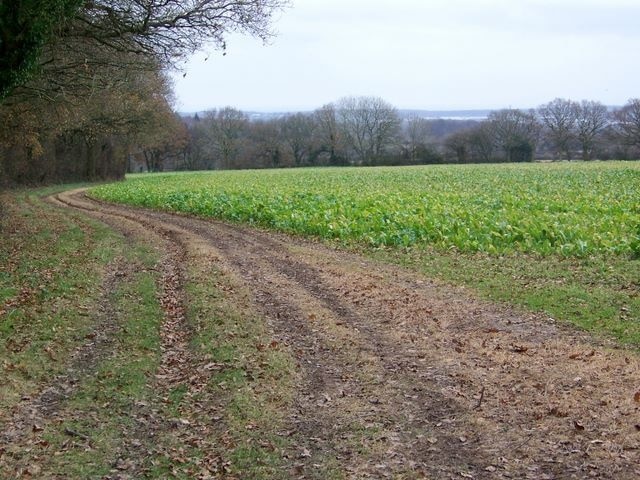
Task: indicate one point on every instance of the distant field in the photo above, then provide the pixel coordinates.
(572, 210)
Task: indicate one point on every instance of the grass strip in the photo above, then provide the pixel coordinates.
(251, 383)
(600, 293)
(106, 417)
(51, 265)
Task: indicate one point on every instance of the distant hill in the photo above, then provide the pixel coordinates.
(446, 114)
(404, 113)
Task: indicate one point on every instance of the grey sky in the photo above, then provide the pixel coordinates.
(428, 54)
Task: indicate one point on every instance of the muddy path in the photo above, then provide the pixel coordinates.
(403, 377)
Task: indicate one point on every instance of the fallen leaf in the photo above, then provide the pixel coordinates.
(636, 397)
(35, 470)
(50, 353)
(556, 411)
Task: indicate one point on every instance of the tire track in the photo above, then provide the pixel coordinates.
(405, 378)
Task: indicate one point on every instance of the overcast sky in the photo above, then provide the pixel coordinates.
(426, 54)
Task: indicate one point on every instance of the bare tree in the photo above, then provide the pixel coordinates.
(370, 126)
(456, 147)
(481, 143)
(169, 30)
(199, 151)
(516, 133)
(265, 147)
(417, 134)
(297, 134)
(628, 122)
(592, 118)
(225, 128)
(559, 120)
(475, 144)
(328, 135)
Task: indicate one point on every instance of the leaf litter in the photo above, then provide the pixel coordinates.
(398, 376)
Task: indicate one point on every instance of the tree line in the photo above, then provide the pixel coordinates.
(83, 83)
(352, 131)
(370, 131)
(84, 95)
(558, 130)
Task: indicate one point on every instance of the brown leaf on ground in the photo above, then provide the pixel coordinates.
(364, 335)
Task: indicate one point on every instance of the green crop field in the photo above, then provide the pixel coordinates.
(571, 210)
(558, 238)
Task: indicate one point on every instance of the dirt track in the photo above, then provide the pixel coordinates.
(450, 386)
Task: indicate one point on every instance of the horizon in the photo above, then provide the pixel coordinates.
(400, 110)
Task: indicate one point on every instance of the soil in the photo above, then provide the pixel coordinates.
(447, 385)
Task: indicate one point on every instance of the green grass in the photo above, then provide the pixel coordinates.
(562, 238)
(52, 266)
(254, 377)
(105, 406)
(600, 293)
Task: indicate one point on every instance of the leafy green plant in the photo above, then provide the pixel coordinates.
(572, 210)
